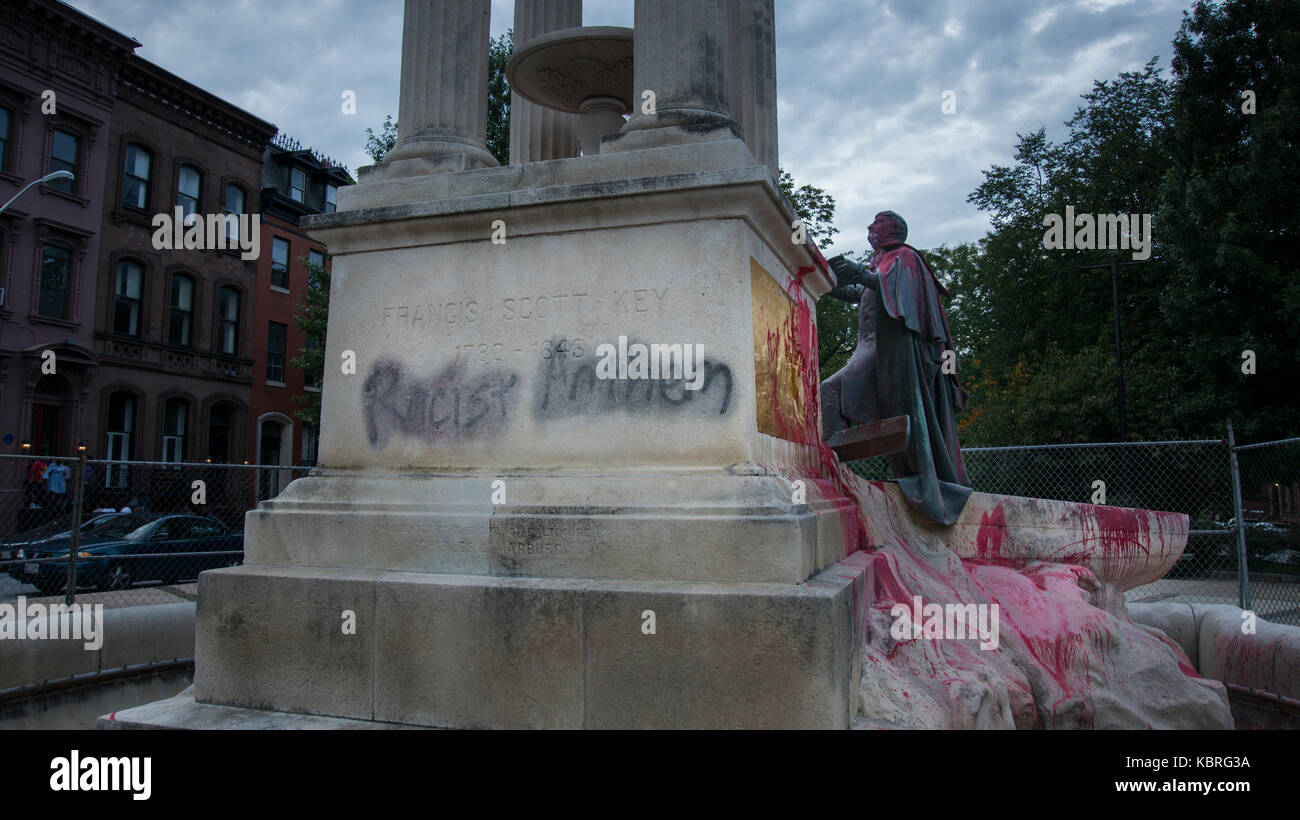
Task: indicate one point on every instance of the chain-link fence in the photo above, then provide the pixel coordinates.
(1254, 564)
(123, 533)
(144, 530)
(1270, 532)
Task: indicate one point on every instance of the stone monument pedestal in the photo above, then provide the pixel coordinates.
(519, 541)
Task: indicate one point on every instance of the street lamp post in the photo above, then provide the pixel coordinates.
(50, 177)
(1114, 264)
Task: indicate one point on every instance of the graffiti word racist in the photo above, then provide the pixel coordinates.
(456, 403)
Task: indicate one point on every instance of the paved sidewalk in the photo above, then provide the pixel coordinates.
(1273, 601)
(117, 599)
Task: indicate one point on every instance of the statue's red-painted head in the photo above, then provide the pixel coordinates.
(888, 229)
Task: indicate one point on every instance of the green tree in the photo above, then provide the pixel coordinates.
(498, 121)
(312, 318)
(378, 145)
(814, 207)
(1037, 332)
(1034, 330)
(1231, 218)
(837, 322)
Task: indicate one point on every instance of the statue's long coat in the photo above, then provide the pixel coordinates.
(897, 370)
(911, 337)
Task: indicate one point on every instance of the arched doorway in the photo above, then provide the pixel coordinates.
(51, 418)
(54, 400)
(221, 422)
(274, 449)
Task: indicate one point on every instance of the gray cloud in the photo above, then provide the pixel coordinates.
(860, 81)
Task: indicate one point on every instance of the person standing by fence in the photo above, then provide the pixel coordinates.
(56, 486)
(33, 496)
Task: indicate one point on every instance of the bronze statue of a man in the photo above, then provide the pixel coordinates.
(898, 368)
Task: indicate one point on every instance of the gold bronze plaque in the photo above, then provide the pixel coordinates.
(782, 354)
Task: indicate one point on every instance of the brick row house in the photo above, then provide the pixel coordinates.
(168, 354)
(296, 182)
(173, 326)
(58, 72)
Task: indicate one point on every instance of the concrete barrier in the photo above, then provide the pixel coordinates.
(126, 637)
(1266, 659)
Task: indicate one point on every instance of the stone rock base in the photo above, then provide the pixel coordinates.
(497, 652)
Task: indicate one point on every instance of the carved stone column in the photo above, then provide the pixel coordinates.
(683, 57)
(538, 133)
(751, 80)
(442, 114)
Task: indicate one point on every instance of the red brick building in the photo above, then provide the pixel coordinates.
(58, 79)
(173, 330)
(295, 182)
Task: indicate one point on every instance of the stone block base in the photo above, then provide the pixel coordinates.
(463, 651)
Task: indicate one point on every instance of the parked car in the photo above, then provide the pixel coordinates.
(1284, 557)
(104, 558)
(53, 532)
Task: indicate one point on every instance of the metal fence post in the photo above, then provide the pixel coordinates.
(74, 542)
(1243, 572)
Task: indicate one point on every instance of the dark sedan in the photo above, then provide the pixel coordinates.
(53, 532)
(105, 557)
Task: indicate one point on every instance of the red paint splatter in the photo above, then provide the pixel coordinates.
(993, 528)
(796, 338)
(1056, 646)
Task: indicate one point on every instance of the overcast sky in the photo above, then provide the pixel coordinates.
(860, 82)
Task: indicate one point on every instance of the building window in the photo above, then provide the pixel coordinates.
(135, 178)
(316, 258)
(298, 185)
(279, 263)
(311, 379)
(188, 188)
(275, 344)
(121, 429)
(56, 273)
(331, 198)
(219, 422)
(64, 149)
(175, 417)
(235, 206)
(310, 442)
(6, 137)
(182, 312)
(228, 321)
(126, 309)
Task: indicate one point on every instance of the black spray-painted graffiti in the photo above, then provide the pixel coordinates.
(453, 404)
(569, 386)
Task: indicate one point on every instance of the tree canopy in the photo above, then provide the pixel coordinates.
(1035, 329)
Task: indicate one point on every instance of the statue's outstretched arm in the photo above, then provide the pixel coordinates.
(851, 279)
(851, 293)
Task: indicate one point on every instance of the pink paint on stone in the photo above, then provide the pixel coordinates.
(1068, 656)
(993, 528)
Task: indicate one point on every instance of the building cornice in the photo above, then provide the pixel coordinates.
(157, 90)
(55, 39)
